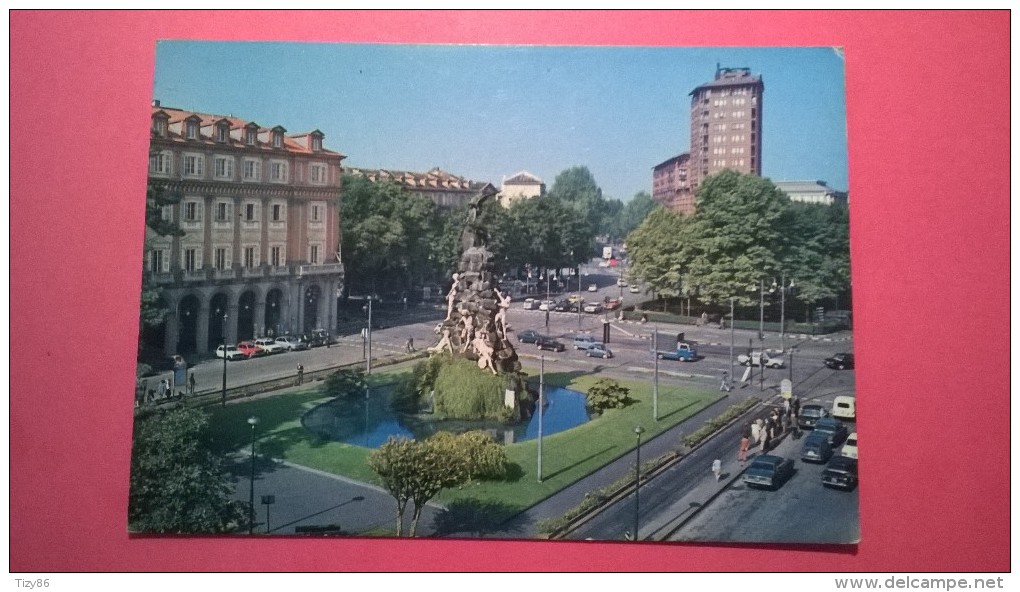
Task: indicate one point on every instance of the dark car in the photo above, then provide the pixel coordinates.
(316, 338)
(550, 344)
(809, 414)
(562, 306)
(598, 351)
(841, 472)
(840, 361)
(816, 448)
(528, 336)
(768, 471)
(833, 428)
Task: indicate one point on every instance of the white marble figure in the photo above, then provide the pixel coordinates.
(484, 351)
(452, 296)
(467, 334)
(444, 344)
(504, 305)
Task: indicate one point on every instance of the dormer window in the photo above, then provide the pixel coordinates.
(191, 128)
(222, 132)
(160, 124)
(278, 137)
(251, 135)
(315, 141)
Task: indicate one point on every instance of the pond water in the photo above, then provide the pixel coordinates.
(369, 422)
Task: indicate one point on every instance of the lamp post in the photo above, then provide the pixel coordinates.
(268, 500)
(655, 374)
(761, 311)
(252, 421)
(368, 337)
(732, 335)
(783, 288)
(223, 334)
(541, 405)
(578, 295)
(638, 430)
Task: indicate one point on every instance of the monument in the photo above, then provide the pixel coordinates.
(475, 326)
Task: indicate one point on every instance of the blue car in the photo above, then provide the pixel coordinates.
(768, 471)
(528, 336)
(816, 448)
(598, 350)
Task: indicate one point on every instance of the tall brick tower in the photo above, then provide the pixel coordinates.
(726, 129)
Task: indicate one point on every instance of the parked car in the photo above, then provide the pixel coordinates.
(841, 472)
(574, 298)
(768, 471)
(850, 446)
(528, 336)
(593, 308)
(530, 304)
(756, 359)
(840, 361)
(548, 343)
(613, 304)
(316, 338)
(845, 407)
(635, 290)
(834, 428)
(230, 352)
(249, 349)
(584, 341)
(546, 305)
(598, 350)
(816, 448)
(622, 283)
(291, 342)
(270, 345)
(593, 287)
(809, 414)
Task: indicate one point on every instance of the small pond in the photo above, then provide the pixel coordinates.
(369, 422)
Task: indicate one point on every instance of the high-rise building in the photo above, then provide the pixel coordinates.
(726, 128)
(258, 209)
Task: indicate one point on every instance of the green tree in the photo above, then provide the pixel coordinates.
(819, 260)
(740, 235)
(347, 383)
(177, 484)
(634, 213)
(482, 456)
(414, 472)
(661, 250)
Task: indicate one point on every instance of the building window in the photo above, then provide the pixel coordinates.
(317, 173)
(191, 211)
(316, 214)
(313, 254)
(278, 171)
(222, 258)
(249, 212)
(316, 143)
(193, 165)
(249, 257)
(277, 140)
(159, 163)
(222, 133)
(158, 261)
(252, 169)
(275, 256)
(190, 259)
(251, 136)
(166, 213)
(223, 167)
(277, 213)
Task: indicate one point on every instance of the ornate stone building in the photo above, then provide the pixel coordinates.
(259, 212)
(523, 185)
(444, 189)
(670, 185)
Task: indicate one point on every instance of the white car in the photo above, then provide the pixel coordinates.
(603, 263)
(593, 288)
(232, 353)
(850, 446)
(756, 358)
(291, 342)
(546, 305)
(270, 345)
(622, 283)
(635, 289)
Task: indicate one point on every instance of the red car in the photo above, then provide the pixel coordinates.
(612, 304)
(249, 349)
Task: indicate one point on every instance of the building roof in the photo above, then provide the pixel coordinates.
(672, 160)
(523, 178)
(434, 179)
(805, 187)
(207, 123)
(730, 77)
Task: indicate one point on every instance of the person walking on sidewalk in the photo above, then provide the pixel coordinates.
(717, 469)
(191, 384)
(745, 446)
(725, 386)
(409, 346)
(300, 374)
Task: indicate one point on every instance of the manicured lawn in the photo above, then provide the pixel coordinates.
(567, 456)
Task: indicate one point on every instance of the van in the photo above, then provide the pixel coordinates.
(584, 341)
(844, 407)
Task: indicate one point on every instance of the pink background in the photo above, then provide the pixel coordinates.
(928, 112)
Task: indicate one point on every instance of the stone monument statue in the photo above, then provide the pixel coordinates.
(475, 326)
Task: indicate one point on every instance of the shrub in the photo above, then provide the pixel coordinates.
(463, 391)
(607, 394)
(345, 383)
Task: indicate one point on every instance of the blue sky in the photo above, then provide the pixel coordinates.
(485, 112)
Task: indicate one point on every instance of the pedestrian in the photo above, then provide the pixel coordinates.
(795, 406)
(161, 390)
(191, 384)
(300, 374)
(717, 469)
(409, 346)
(745, 445)
(756, 433)
(786, 407)
(725, 386)
(329, 339)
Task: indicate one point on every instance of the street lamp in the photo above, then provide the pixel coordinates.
(783, 288)
(638, 430)
(223, 334)
(368, 336)
(732, 335)
(252, 421)
(541, 404)
(655, 374)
